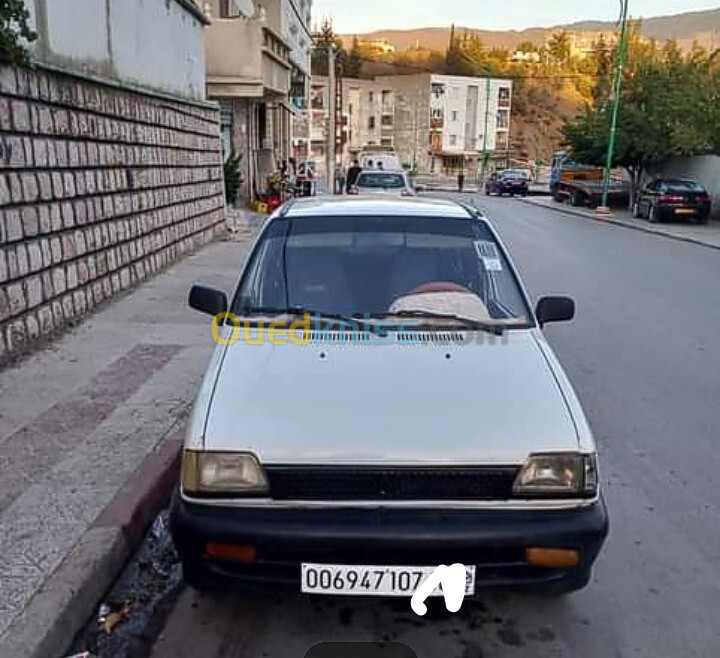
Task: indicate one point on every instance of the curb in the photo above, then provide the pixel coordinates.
(70, 596)
(624, 224)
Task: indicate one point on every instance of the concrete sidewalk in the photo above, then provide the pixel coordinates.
(90, 428)
(707, 235)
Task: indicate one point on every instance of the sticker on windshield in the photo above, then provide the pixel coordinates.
(489, 254)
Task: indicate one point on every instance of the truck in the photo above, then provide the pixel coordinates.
(582, 185)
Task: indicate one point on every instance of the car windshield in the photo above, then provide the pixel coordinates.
(682, 186)
(353, 266)
(381, 181)
(513, 174)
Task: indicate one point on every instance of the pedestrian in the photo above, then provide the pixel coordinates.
(461, 180)
(371, 164)
(381, 167)
(352, 175)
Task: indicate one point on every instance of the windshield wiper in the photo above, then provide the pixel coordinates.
(301, 311)
(478, 325)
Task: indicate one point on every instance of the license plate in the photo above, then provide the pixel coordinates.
(366, 580)
(684, 211)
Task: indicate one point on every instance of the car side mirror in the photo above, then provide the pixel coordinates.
(555, 309)
(208, 300)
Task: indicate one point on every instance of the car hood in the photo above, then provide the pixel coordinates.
(423, 403)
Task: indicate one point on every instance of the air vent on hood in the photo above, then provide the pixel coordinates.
(368, 338)
(435, 337)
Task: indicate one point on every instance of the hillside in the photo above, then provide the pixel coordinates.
(700, 26)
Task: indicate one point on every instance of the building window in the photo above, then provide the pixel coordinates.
(228, 9)
(317, 98)
(503, 119)
(454, 115)
(504, 97)
(453, 140)
(437, 89)
(501, 142)
(387, 120)
(371, 123)
(371, 96)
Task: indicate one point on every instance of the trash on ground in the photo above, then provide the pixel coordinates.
(112, 619)
(159, 527)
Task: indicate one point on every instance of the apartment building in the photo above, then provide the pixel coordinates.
(435, 123)
(258, 69)
(444, 124)
(365, 115)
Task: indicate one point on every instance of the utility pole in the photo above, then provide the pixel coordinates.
(622, 53)
(332, 123)
(485, 130)
(417, 130)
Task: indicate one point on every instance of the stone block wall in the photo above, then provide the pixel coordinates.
(100, 187)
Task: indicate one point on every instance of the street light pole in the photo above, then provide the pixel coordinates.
(622, 53)
(332, 121)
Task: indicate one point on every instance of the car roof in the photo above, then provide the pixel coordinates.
(375, 170)
(365, 206)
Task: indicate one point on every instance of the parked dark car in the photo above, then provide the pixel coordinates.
(510, 181)
(669, 199)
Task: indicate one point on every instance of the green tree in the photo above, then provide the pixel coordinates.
(233, 177)
(527, 47)
(668, 109)
(14, 27)
(322, 42)
(559, 47)
(353, 60)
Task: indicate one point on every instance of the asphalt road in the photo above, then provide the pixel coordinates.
(643, 356)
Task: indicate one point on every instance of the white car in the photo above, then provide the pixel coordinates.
(379, 181)
(387, 403)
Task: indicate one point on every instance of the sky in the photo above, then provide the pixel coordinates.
(357, 16)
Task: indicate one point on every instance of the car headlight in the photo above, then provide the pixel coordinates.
(222, 474)
(558, 475)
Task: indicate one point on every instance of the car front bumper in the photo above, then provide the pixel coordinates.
(493, 540)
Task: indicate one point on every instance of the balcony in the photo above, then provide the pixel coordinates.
(275, 63)
(244, 59)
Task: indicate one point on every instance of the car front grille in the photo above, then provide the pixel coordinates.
(352, 483)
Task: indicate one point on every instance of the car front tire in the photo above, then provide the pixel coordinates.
(577, 200)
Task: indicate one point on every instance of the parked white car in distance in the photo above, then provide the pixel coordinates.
(376, 181)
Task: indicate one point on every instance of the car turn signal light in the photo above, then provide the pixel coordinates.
(556, 558)
(232, 552)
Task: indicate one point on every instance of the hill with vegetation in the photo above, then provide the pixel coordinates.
(702, 27)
